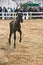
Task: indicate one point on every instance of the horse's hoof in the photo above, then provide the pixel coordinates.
(14, 46)
(19, 40)
(9, 42)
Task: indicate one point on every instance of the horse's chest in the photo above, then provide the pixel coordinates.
(16, 27)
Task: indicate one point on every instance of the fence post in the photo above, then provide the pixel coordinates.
(3, 15)
(27, 16)
(30, 15)
(23, 16)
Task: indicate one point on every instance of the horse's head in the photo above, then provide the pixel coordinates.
(19, 17)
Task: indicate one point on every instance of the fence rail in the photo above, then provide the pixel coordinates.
(26, 15)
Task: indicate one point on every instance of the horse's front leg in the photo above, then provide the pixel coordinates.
(20, 35)
(14, 39)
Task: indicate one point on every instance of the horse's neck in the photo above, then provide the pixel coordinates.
(18, 21)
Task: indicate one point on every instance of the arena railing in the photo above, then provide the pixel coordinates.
(26, 15)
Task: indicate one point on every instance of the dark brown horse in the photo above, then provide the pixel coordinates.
(15, 26)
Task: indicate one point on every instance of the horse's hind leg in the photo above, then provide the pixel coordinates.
(20, 35)
(14, 39)
(10, 37)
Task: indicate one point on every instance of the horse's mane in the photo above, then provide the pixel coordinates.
(14, 20)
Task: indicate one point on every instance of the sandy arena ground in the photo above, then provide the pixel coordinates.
(29, 51)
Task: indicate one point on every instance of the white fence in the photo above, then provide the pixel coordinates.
(26, 15)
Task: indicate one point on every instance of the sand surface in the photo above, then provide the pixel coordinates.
(29, 51)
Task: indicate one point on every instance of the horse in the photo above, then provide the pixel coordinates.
(15, 26)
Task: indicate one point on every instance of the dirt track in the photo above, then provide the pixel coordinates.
(29, 51)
